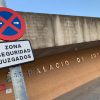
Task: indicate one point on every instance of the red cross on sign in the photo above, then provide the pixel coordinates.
(12, 25)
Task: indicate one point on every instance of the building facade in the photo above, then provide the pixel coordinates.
(67, 54)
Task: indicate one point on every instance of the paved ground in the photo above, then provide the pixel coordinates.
(88, 91)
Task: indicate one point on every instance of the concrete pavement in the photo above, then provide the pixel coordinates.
(88, 91)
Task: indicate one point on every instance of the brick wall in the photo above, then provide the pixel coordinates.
(53, 83)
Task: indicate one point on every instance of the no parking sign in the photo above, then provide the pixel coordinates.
(12, 25)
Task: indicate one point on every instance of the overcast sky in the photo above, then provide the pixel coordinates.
(64, 7)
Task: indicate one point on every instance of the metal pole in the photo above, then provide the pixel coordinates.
(17, 76)
(18, 83)
(2, 3)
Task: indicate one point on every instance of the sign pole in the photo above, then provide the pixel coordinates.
(18, 83)
(2, 3)
(17, 76)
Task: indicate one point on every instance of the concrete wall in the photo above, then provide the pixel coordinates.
(73, 29)
(39, 30)
(45, 30)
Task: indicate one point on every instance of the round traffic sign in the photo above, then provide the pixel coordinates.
(12, 25)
